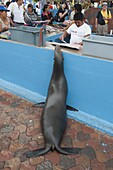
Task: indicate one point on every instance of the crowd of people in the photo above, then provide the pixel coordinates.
(15, 13)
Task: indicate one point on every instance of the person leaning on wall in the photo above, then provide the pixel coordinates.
(76, 32)
(30, 16)
(4, 23)
(102, 20)
(46, 14)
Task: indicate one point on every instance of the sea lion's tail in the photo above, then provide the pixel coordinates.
(36, 153)
(68, 151)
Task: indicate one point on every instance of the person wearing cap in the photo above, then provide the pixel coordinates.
(17, 10)
(102, 20)
(4, 20)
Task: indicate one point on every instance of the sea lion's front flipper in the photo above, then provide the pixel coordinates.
(39, 105)
(71, 108)
(36, 153)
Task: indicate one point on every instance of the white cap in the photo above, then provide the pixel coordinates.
(104, 3)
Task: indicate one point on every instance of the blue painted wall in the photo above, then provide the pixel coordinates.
(90, 80)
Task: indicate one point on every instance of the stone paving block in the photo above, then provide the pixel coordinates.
(82, 136)
(20, 154)
(13, 163)
(21, 128)
(77, 167)
(78, 144)
(72, 133)
(97, 165)
(26, 166)
(6, 128)
(96, 135)
(15, 146)
(53, 156)
(89, 151)
(93, 143)
(6, 155)
(32, 145)
(14, 135)
(46, 165)
(23, 138)
(37, 160)
(109, 164)
(5, 143)
(31, 131)
(67, 163)
(67, 141)
(2, 163)
(84, 161)
(39, 138)
(102, 156)
(87, 129)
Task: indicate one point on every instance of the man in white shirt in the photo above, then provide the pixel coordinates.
(17, 10)
(77, 31)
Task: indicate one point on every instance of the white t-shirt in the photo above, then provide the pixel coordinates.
(17, 12)
(78, 33)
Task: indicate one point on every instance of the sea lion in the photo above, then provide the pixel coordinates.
(54, 117)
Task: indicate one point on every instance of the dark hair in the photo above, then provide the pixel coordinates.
(30, 6)
(64, 2)
(78, 7)
(78, 16)
(45, 7)
(7, 3)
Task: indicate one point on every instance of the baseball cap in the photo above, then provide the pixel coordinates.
(2, 8)
(104, 3)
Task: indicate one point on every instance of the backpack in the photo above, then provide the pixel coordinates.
(101, 21)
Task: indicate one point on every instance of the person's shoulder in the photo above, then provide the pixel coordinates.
(86, 25)
(60, 9)
(12, 5)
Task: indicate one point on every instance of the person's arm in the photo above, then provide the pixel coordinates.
(0, 27)
(65, 34)
(96, 22)
(10, 8)
(3, 29)
(62, 15)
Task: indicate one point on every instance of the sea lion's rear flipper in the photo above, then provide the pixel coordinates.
(39, 105)
(36, 153)
(71, 108)
(68, 151)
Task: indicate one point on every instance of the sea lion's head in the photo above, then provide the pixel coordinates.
(58, 57)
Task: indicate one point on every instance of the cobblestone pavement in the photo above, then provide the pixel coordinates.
(20, 131)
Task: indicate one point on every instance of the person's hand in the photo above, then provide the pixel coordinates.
(6, 28)
(66, 11)
(61, 38)
(95, 25)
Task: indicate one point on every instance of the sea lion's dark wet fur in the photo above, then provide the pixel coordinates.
(54, 117)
